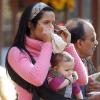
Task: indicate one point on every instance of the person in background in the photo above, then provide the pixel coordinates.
(83, 36)
(61, 77)
(31, 41)
(7, 87)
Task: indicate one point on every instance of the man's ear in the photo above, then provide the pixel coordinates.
(79, 43)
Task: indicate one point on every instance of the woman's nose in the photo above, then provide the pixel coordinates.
(51, 26)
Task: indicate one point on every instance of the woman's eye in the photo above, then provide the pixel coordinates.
(53, 23)
(46, 22)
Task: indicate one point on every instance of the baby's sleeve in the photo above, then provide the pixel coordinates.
(55, 81)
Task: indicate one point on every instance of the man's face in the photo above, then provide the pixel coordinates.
(89, 43)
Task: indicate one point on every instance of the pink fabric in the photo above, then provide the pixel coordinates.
(75, 88)
(55, 81)
(79, 66)
(21, 63)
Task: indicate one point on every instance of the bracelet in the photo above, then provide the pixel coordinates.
(69, 80)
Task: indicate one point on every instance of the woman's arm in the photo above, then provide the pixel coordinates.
(79, 66)
(22, 65)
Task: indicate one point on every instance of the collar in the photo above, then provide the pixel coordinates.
(32, 44)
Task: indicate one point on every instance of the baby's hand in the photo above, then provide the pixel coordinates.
(70, 78)
(74, 75)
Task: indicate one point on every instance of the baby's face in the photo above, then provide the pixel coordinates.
(64, 66)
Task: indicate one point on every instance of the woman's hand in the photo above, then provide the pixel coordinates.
(46, 38)
(46, 35)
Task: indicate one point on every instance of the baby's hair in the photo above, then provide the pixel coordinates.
(58, 57)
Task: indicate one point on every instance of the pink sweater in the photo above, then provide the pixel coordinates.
(79, 67)
(21, 63)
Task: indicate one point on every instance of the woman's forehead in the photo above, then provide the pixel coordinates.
(48, 15)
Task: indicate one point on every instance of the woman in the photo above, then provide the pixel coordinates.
(31, 40)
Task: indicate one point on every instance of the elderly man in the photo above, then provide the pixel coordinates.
(83, 36)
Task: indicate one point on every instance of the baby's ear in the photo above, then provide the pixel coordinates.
(55, 68)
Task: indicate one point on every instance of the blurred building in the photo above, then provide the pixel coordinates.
(10, 11)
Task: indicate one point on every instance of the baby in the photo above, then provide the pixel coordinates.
(61, 77)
